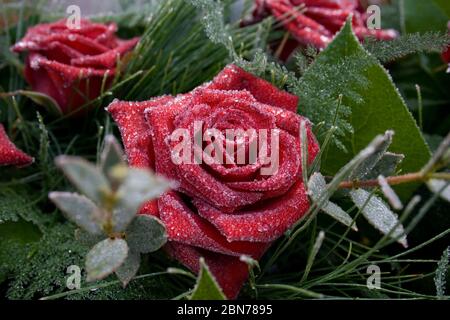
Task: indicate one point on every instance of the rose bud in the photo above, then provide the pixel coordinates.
(70, 65)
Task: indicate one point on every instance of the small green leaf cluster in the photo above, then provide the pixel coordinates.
(106, 211)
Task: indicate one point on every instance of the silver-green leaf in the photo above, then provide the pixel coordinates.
(146, 234)
(85, 176)
(112, 155)
(79, 209)
(105, 258)
(138, 186)
(317, 190)
(88, 239)
(379, 215)
(368, 164)
(129, 268)
(386, 166)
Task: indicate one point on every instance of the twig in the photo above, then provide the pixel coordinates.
(396, 180)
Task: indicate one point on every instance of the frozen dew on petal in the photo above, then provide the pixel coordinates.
(10, 155)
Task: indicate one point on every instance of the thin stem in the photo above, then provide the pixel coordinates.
(406, 178)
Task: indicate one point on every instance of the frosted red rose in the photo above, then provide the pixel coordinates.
(10, 154)
(220, 212)
(315, 22)
(70, 65)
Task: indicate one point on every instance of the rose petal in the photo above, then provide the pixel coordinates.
(135, 132)
(192, 177)
(235, 78)
(107, 59)
(230, 272)
(264, 224)
(10, 154)
(185, 226)
(288, 172)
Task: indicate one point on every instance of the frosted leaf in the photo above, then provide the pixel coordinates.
(105, 258)
(88, 239)
(43, 100)
(79, 209)
(146, 234)
(112, 155)
(206, 287)
(440, 186)
(389, 193)
(440, 278)
(370, 162)
(441, 158)
(317, 189)
(386, 166)
(86, 177)
(129, 268)
(252, 263)
(379, 215)
(138, 186)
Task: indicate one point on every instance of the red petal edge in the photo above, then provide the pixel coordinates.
(10, 154)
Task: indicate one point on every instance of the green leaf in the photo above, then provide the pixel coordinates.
(86, 177)
(422, 16)
(129, 268)
(88, 239)
(379, 215)
(138, 186)
(429, 42)
(80, 210)
(44, 100)
(368, 164)
(112, 155)
(146, 234)
(386, 166)
(105, 258)
(206, 287)
(380, 108)
(317, 190)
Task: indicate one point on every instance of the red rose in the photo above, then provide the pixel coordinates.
(10, 154)
(220, 211)
(70, 64)
(315, 22)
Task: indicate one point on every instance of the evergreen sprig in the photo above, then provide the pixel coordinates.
(388, 51)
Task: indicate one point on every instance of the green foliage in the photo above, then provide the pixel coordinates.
(429, 42)
(440, 279)
(375, 104)
(15, 205)
(422, 16)
(176, 55)
(207, 287)
(43, 270)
